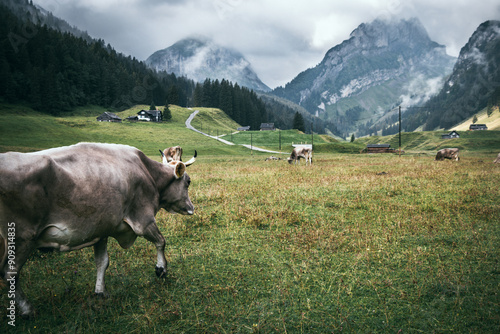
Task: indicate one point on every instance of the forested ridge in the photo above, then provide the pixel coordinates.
(54, 72)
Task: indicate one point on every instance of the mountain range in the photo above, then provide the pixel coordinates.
(473, 85)
(383, 64)
(354, 89)
(200, 58)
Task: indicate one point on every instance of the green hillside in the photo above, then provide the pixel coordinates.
(492, 121)
(23, 129)
(425, 141)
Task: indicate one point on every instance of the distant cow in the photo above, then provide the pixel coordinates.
(448, 153)
(172, 154)
(300, 152)
(77, 196)
(497, 160)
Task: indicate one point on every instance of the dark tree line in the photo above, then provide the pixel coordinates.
(55, 72)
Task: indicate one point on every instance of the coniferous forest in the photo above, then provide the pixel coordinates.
(54, 72)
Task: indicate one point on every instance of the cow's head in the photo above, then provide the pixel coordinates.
(171, 154)
(175, 197)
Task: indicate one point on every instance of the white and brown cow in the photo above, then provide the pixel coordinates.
(172, 154)
(300, 153)
(78, 196)
(447, 153)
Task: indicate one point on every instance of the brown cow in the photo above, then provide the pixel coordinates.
(447, 153)
(78, 196)
(300, 152)
(172, 154)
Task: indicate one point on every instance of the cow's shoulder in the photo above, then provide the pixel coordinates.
(24, 184)
(17, 168)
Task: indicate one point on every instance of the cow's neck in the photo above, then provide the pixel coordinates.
(162, 177)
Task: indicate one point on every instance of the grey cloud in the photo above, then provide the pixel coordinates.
(280, 38)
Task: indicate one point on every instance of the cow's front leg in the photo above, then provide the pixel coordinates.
(153, 234)
(102, 263)
(10, 269)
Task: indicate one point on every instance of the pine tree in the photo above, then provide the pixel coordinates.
(352, 138)
(198, 95)
(173, 95)
(167, 114)
(298, 122)
(226, 98)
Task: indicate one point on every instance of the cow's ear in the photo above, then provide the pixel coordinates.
(180, 169)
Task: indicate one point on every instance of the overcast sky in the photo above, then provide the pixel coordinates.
(280, 38)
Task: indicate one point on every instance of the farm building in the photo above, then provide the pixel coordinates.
(453, 134)
(378, 148)
(244, 128)
(108, 117)
(267, 127)
(478, 127)
(150, 115)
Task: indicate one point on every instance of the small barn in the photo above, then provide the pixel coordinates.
(267, 127)
(244, 128)
(453, 134)
(378, 148)
(474, 127)
(108, 117)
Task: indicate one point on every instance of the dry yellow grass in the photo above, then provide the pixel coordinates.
(492, 122)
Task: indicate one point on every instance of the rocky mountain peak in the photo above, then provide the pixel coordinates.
(199, 58)
(382, 64)
(473, 84)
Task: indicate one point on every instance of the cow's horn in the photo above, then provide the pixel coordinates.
(192, 160)
(161, 152)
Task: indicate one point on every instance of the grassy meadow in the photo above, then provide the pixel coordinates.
(354, 243)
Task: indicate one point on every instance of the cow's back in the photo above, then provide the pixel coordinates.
(85, 185)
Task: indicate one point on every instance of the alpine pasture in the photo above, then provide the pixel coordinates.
(354, 243)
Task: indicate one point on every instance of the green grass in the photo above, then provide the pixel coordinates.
(355, 243)
(24, 130)
(430, 142)
(278, 248)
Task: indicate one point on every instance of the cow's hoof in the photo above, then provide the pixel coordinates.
(101, 294)
(28, 316)
(161, 272)
(26, 311)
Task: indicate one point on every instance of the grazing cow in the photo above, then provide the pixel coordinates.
(77, 196)
(497, 160)
(300, 152)
(172, 154)
(447, 153)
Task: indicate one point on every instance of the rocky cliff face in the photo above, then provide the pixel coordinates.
(199, 59)
(473, 84)
(381, 65)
